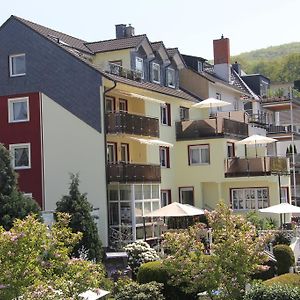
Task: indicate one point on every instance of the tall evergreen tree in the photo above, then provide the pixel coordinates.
(13, 203)
(77, 205)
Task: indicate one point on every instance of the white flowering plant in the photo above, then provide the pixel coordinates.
(139, 253)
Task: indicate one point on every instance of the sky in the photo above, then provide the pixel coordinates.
(190, 25)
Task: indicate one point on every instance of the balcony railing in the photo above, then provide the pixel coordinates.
(215, 127)
(123, 122)
(256, 166)
(123, 172)
(123, 72)
(283, 129)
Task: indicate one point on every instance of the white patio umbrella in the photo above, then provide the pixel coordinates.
(152, 142)
(90, 295)
(282, 208)
(210, 103)
(176, 209)
(256, 139)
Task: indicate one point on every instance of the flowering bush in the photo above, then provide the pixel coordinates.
(138, 253)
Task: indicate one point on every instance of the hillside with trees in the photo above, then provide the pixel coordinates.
(279, 63)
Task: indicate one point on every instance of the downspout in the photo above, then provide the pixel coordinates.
(105, 147)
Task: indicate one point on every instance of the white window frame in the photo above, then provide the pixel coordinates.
(164, 114)
(174, 74)
(114, 148)
(198, 147)
(156, 67)
(164, 156)
(184, 113)
(12, 147)
(242, 201)
(139, 61)
(11, 102)
(11, 57)
(186, 189)
(165, 197)
(28, 195)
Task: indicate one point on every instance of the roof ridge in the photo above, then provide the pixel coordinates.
(109, 40)
(25, 20)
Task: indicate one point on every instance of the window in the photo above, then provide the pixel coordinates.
(20, 156)
(165, 197)
(230, 149)
(186, 195)
(116, 67)
(200, 66)
(249, 198)
(284, 193)
(125, 152)
(164, 157)
(171, 77)
(18, 110)
(155, 73)
(111, 153)
(123, 105)
(184, 113)
(139, 66)
(110, 104)
(218, 96)
(198, 154)
(29, 195)
(17, 65)
(165, 114)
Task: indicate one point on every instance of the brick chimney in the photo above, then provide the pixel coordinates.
(123, 31)
(222, 58)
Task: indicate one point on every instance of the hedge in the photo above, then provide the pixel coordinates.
(273, 292)
(285, 258)
(285, 279)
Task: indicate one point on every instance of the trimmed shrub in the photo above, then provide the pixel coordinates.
(273, 292)
(158, 271)
(285, 258)
(285, 279)
(132, 290)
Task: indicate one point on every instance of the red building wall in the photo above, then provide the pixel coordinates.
(30, 180)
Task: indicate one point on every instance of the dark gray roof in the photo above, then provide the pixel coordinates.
(56, 35)
(116, 44)
(155, 87)
(172, 51)
(156, 45)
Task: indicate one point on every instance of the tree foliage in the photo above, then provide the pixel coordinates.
(78, 207)
(35, 262)
(236, 253)
(13, 203)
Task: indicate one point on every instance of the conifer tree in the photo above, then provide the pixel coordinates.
(13, 203)
(78, 207)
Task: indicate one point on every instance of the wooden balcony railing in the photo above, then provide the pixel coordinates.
(256, 166)
(215, 127)
(123, 172)
(123, 122)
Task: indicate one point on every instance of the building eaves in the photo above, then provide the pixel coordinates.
(115, 44)
(178, 93)
(56, 36)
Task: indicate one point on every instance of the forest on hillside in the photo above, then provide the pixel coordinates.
(279, 63)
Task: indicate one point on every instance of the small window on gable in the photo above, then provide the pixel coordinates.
(139, 66)
(171, 77)
(156, 73)
(20, 156)
(17, 66)
(18, 110)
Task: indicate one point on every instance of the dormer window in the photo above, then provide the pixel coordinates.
(139, 66)
(200, 66)
(156, 73)
(171, 77)
(17, 65)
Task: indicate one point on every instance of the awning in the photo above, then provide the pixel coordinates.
(152, 142)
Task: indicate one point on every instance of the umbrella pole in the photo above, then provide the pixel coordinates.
(144, 225)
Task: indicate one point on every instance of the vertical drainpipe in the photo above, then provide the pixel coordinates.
(105, 148)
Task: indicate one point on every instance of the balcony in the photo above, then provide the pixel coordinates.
(282, 103)
(210, 128)
(123, 172)
(123, 122)
(283, 132)
(256, 166)
(118, 70)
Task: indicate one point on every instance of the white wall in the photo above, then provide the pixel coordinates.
(71, 146)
